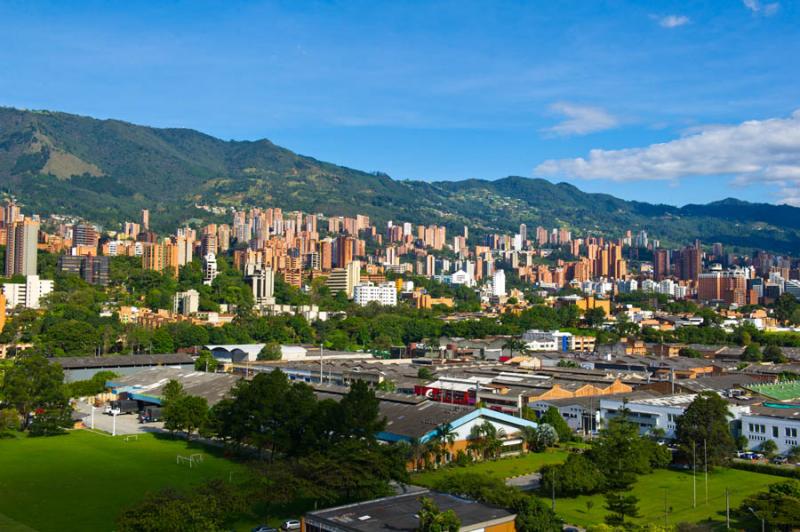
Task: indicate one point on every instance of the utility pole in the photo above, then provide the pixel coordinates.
(666, 510)
(694, 475)
(320, 363)
(553, 483)
(705, 463)
(727, 510)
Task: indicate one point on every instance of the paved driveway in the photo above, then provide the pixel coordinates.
(126, 423)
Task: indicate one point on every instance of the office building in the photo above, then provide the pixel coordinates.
(345, 279)
(93, 270)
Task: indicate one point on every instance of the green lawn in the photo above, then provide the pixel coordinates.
(677, 486)
(80, 481)
(502, 469)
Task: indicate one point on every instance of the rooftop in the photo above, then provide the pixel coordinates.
(148, 384)
(119, 361)
(400, 513)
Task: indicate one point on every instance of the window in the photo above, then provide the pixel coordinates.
(774, 431)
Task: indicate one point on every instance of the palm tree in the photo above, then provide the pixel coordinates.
(445, 437)
(416, 452)
(513, 344)
(476, 441)
(529, 436)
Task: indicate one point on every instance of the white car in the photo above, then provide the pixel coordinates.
(291, 524)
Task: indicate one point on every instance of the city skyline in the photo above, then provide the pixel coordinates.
(443, 92)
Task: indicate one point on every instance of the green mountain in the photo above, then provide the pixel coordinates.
(107, 170)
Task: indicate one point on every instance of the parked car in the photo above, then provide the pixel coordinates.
(264, 528)
(291, 524)
(780, 460)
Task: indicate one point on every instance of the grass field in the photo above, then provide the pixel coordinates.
(501, 469)
(677, 486)
(80, 481)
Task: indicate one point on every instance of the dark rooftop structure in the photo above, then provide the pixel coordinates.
(81, 368)
(401, 513)
(407, 416)
(148, 384)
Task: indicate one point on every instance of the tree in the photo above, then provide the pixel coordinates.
(9, 421)
(621, 453)
(576, 476)
(34, 387)
(443, 439)
(752, 353)
(553, 418)
(431, 519)
(769, 447)
(425, 374)
(595, 317)
(779, 506)
(620, 506)
(206, 362)
(545, 436)
(270, 351)
(161, 341)
(513, 344)
(705, 423)
(689, 352)
(773, 353)
(209, 508)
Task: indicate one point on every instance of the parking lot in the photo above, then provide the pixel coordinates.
(125, 423)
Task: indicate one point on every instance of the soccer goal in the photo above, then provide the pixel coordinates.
(181, 460)
(131, 437)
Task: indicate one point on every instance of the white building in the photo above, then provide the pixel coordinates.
(28, 294)
(186, 303)
(778, 423)
(384, 294)
(499, 283)
(657, 412)
(209, 269)
(262, 283)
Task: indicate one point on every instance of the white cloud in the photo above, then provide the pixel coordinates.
(581, 119)
(753, 152)
(673, 21)
(762, 9)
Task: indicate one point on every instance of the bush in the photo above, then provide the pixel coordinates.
(766, 469)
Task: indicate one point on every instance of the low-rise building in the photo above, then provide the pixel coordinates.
(384, 294)
(400, 513)
(772, 421)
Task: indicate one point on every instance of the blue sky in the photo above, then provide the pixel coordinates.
(656, 101)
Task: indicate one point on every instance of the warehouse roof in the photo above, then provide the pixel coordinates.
(401, 513)
(148, 384)
(120, 361)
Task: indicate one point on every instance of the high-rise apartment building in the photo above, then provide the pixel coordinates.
(21, 240)
(661, 266)
(84, 235)
(146, 219)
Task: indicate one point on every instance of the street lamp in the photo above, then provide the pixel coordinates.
(763, 526)
(93, 409)
(114, 423)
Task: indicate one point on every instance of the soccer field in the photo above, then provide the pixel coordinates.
(673, 490)
(82, 480)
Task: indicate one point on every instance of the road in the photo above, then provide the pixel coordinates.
(527, 482)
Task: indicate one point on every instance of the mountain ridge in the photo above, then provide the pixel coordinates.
(108, 169)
